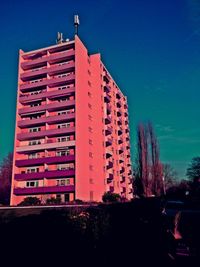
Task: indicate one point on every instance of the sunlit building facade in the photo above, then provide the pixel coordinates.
(72, 130)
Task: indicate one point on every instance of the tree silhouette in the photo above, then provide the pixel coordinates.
(5, 179)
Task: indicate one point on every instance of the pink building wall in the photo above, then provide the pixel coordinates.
(88, 127)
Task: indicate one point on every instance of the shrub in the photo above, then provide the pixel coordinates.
(53, 200)
(111, 197)
(30, 201)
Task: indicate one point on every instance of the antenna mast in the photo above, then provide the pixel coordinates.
(76, 23)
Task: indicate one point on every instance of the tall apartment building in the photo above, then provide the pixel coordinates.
(72, 130)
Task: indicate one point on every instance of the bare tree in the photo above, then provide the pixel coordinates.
(149, 168)
(5, 179)
(156, 166)
(170, 176)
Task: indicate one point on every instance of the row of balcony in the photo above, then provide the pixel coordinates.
(43, 190)
(67, 55)
(45, 174)
(45, 160)
(48, 133)
(53, 82)
(43, 94)
(50, 107)
(54, 69)
(45, 145)
(49, 119)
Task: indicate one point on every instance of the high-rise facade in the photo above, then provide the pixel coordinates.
(72, 130)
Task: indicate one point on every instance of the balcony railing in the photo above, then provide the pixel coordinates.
(44, 145)
(42, 94)
(43, 190)
(53, 82)
(50, 70)
(50, 107)
(50, 58)
(44, 174)
(45, 160)
(49, 133)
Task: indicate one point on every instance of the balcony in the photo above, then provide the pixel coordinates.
(107, 99)
(111, 189)
(53, 82)
(50, 107)
(108, 131)
(44, 174)
(107, 88)
(108, 119)
(108, 142)
(130, 181)
(56, 69)
(106, 78)
(122, 170)
(47, 146)
(120, 131)
(121, 150)
(119, 113)
(122, 180)
(123, 190)
(118, 95)
(45, 94)
(43, 190)
(108, 154)
(110, 178)
(51, 59)
(50, 120)
(119, 122)
(119, 104)
(41, 134)
(120, 140)
(45, 160)
(110, 165)
(108, 109)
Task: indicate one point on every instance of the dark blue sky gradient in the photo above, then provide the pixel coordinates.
(151, 48)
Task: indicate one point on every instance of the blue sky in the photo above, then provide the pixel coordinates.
(151, 48)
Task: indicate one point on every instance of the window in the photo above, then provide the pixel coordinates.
(32, 184)
(32, 117)
(90, 154)
(63, 125)
(63, 182)
(36, 81)
(89, 94)
(33, 156)
(91, 181)
(62, 88)
(36, 92)
(89, 106)
(36, 104)
(36, 129)
(32, 170)
(63, 139)
(91, 167)
(63, 99)
(90, 129)
(63, 153)
(34, 142)
(90, 142)
(63, 112)
(66, 166)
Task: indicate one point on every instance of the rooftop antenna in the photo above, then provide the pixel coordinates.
(76, 23)
(59, 39)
